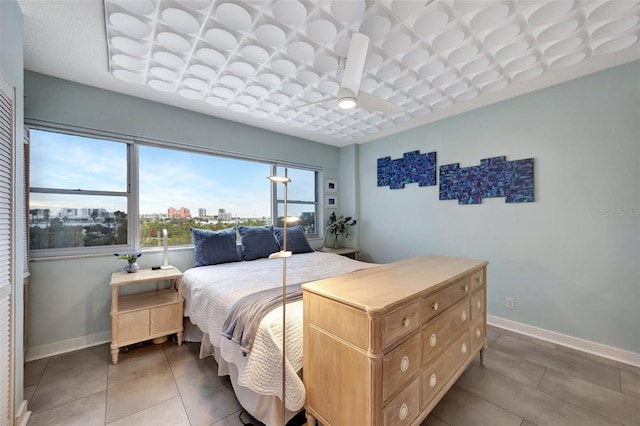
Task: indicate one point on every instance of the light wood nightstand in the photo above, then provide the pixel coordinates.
(145, 316)
(343, 251)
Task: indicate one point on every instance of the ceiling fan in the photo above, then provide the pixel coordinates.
(349, 94)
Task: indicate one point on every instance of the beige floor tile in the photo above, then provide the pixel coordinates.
(33, 371)
(492, 335)
(606, 402)
(188, 351)
(69, 377)
(560, 361)
(462, 408)
(515, 368)
(234, 420)
(600, 359)
(28, 394)
(527, 423)
(207, 397)
(87, 411)
(523, 337)
(432, 420)
(128, 394)
(148, 357)
(168, 413)
(527, 402)
(630, 383)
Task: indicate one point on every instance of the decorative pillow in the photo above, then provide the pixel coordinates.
(257, 241)
(213, 247)
(296, 240)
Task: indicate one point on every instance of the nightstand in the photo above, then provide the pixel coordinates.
(343, 251)
(144, 316)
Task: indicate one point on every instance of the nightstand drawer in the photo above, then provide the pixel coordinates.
(400, 365)
(133, 325)
(435, 376)
(477, 305)
(438, 302)
(477, 280)
(440, 332)
(400, 323)
(404, 408)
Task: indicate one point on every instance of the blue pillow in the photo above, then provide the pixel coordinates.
(296, 240)
(213, 247)
(257, 241)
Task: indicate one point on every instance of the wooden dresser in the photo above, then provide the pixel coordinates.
(383, 345)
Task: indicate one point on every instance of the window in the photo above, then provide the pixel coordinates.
(89, 194)
(181, 190)
(302, 199)
(79, 191)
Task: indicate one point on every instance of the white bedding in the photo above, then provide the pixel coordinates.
(210, 291)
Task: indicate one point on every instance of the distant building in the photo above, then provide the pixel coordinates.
(181, 213)
(224, 216)
(82, 213)
(202, 212)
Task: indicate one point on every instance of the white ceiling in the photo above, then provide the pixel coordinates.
(262, 62)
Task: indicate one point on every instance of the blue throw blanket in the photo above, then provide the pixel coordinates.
(245, 315)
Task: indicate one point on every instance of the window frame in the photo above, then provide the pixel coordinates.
(132, 194)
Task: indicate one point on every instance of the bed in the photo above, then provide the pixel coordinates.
(209, 293)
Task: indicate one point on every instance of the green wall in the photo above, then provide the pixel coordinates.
(571, 258)
(70, 298)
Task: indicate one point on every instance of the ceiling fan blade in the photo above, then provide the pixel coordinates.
(374, 103)
(355, 63)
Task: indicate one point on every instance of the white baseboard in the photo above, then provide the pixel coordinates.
(604, 351)
(64, 346)
(22, 417)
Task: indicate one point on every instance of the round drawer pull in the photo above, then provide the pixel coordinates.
(404, 410)
(404, 364)
(433, 340)
(466, 288)
(433, 381)
(406, 322)
(147, 323)
(464, 316)
(435, 306)
(478, 304)
(464, 348)
(478, 333)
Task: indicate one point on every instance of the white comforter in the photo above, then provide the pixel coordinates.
(210, 291)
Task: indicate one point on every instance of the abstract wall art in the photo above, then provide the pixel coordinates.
(494, 177)
(412, 167)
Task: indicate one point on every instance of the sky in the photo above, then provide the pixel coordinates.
(167, 178)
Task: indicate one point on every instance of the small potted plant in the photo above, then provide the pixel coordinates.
(339, 225)
(132, 260)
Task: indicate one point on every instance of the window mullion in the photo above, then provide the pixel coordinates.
(133, 205)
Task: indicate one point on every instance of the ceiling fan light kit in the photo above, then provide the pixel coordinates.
(277, 64)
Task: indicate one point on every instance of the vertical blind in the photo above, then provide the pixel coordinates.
(6, 241)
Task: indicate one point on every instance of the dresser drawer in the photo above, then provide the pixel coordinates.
(435, 376)
(404, 408)
(477, 305)
(477, 280)
(477, 335)
(440, 332)
(400, 365)
(438, 302)
(400, 323)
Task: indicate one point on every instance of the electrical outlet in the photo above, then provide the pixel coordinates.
(510, 303)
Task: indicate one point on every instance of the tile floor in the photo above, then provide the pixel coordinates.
(526, 382)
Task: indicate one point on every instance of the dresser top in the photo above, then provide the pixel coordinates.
(381, 288)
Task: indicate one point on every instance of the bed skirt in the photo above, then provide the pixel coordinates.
(265, 408)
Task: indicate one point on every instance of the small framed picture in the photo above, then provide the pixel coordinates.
(330, 186)
(331, 202)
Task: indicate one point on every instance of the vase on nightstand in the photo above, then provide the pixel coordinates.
(131, 267)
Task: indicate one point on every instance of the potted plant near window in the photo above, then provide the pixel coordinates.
(132, 260)
(338, 225)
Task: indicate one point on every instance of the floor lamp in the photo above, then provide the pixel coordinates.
(283, 254)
